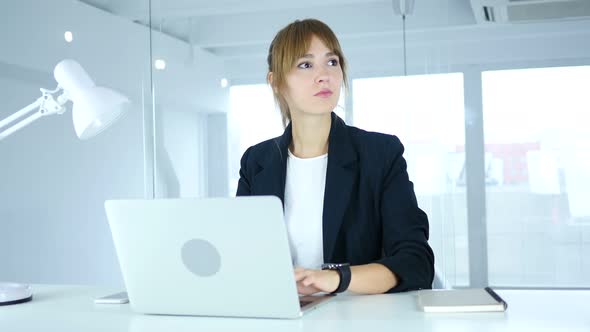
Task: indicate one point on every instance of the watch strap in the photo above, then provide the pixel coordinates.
(344, 273)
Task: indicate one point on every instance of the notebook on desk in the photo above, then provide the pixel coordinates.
(461, 300)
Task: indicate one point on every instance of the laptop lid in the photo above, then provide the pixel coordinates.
(210, 257)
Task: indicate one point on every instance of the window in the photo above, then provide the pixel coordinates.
(538, 186)
(426, 112)
(252, 119)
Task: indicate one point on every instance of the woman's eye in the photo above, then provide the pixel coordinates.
(304, 65)
(333, 62)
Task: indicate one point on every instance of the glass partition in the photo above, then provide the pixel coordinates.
(52, 184)
(424, 71)
(488, 100)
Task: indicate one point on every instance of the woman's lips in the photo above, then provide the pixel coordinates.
(324, 93)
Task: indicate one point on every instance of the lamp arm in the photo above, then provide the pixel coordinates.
(46, 105)
(24, 111)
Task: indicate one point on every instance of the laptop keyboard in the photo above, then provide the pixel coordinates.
(303, 303)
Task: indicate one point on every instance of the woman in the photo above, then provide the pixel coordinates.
(350, 208)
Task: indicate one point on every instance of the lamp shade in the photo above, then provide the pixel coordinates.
(95, 108)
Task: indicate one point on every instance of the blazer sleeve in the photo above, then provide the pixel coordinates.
(404, 227)
(244, 181)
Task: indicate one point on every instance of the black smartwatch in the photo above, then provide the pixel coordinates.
(343, 270)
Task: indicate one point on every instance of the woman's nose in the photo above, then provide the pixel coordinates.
(322, 76)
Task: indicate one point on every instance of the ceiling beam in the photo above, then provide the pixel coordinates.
(436, 36)
(345, 20)
(182, 9)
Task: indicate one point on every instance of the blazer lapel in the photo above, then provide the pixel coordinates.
(341, 177)
(340, 181)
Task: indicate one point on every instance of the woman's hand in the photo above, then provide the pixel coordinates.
(315, 281)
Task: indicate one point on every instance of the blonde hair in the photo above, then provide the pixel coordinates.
(288, 46)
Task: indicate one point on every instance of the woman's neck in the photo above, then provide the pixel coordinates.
(310, 134)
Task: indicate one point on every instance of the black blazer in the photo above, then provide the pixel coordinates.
(370, 210)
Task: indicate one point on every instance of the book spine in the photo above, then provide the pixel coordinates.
(496, 297)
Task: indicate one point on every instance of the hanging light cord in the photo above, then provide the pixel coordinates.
(405, 51)
(403, 11)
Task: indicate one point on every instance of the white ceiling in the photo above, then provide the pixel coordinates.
(240, 28)
(240, 31)
(232, 28)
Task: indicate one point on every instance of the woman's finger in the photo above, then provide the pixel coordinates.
(308, 281)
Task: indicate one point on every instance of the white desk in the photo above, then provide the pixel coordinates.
(71, 308)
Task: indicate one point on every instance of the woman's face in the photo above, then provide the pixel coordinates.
(313, 85)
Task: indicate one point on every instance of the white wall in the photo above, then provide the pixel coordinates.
(217, 155)
(52, 186)
(115, 50)
(52, 189)
(181, 150)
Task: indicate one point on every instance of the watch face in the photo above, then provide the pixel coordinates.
(332, 266)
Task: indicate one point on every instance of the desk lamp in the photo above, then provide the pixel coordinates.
(94, 109)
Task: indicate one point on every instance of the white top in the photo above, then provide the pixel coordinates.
(304, 205)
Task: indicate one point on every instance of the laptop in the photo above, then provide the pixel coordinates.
(225, 257)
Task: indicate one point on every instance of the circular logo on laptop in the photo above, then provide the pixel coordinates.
(201, 257)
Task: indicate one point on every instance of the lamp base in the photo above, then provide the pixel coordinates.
(12, 293)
